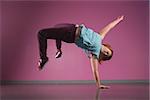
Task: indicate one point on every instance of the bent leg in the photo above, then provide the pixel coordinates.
(58, 44)
(65, 32)
(43, 35)
(59, 52)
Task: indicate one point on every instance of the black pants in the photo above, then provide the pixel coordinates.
(60, 32)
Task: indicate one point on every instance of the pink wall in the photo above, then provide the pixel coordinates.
(22, 20)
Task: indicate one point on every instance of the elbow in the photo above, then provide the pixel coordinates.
(96, 71)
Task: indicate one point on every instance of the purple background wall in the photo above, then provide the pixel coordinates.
(22, 20)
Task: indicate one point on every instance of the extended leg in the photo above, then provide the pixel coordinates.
(111, 25)
(43, 48)
(42, 45)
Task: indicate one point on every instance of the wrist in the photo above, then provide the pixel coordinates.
(98, 84)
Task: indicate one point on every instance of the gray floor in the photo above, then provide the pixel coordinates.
(75, 92)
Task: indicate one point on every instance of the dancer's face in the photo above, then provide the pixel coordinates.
(106, 51)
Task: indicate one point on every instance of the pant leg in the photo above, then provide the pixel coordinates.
(45, 34)
(58, 44)
(67, 32)
(42, 45)
(64, 33)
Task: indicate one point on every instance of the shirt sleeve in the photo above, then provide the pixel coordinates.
(88, 53)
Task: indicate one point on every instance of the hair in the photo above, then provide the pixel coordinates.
(104, 57)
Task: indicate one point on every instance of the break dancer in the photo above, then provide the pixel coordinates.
(85, 38)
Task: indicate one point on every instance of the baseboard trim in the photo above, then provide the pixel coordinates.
(73, 82)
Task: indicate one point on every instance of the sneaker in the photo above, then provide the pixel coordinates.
(58, 54)
(41, 63)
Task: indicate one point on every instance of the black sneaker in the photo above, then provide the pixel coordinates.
(42, 62)
(58, 54)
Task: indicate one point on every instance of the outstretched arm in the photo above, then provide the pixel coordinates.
(111, 25)
(94, 64)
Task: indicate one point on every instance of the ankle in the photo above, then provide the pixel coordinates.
(44, 58)
(59, 50)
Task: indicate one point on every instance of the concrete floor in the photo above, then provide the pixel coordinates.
(75, 92)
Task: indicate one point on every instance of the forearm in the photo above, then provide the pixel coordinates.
(97, 78)
(111, 25)
(114, 23)
(95, 70)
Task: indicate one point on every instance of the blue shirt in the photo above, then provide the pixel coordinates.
(89, 41)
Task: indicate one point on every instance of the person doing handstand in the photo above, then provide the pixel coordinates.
(84, 37)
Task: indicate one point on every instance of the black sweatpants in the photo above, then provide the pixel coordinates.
(60, 32)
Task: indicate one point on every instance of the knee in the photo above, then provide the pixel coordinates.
(40, 33)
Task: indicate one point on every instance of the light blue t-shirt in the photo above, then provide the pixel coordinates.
(89, 41)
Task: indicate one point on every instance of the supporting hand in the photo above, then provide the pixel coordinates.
(104, 87)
